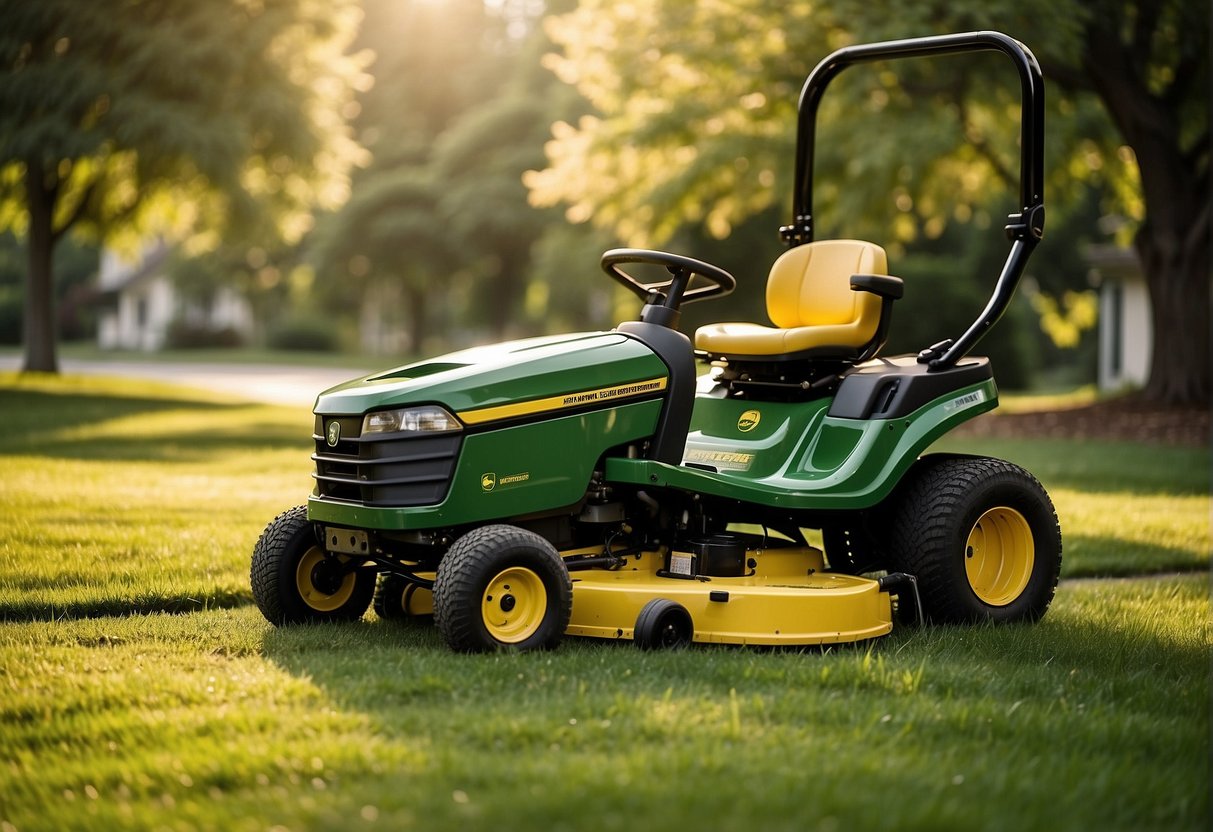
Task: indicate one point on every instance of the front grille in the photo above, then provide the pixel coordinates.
(384, 470)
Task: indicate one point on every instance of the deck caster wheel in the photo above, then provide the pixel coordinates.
(502, 587)
(982, 537)
(295, 581)
(663, 625)
(397, 599)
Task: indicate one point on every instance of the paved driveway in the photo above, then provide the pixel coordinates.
(275, 384)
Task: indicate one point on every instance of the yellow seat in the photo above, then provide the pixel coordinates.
(811, 304)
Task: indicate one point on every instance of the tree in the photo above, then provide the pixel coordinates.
(75, 278)
(389, 255)
(1148, 62)
(459, 110)
(480, 162)
(387, 248)
(168, 117)
(696, 112)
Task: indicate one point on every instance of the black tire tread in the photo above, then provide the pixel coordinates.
(934, 492)
(646, 634)
(265, 570)
(389, 596)
(275, 557)
(464, 571)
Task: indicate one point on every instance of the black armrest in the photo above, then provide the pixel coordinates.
(888, 289)
(885, 286)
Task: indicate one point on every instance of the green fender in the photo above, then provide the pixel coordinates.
(795, 456)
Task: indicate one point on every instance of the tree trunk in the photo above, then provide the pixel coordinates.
(1174, 246)
(39, 323)
(1176, 263)
(505, 294)
(417, 322)
(1174, 240)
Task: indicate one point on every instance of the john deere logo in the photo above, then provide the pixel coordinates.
(333, 434)
(748, 421)
(488, 481)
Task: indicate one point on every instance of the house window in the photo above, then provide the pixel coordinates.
(141, 313)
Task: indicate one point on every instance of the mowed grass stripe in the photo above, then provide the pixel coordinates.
(216, 720)
(121, 497)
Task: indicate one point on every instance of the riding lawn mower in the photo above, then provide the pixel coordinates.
(763, 485)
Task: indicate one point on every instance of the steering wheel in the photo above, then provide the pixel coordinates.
(676, 291)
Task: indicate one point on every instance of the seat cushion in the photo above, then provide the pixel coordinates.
(811, 303)
(745, 339)
(810, 285)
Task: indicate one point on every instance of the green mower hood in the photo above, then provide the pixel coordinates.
(513, 379)
(535, 417)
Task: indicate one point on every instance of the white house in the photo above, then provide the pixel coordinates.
(1125, 327)
(140, 303)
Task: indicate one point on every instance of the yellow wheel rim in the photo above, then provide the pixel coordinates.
(316, 592)
(514, 604)
(999, 556)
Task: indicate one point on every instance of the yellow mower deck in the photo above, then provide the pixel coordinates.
(785, 599)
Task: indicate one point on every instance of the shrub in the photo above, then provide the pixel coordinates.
(304, 333)
(183, 335)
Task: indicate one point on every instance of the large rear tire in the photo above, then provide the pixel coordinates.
(294, 580)
(982, 537)
(502, 587)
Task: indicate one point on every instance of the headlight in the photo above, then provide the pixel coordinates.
(428, 419)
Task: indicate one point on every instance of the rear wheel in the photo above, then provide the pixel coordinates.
(982, 537)
(294, 580)
(502, 587)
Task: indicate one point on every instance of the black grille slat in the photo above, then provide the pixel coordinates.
(378, 482)
(338, 473)
(394, 470)
(387, 460)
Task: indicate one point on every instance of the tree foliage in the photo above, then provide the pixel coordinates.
(439, 227)
(171, 117)
(696, 111)
(387, 254)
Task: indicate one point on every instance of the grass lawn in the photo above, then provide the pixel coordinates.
(1125, 508)
(139, 690)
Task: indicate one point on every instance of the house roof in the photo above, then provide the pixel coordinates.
(1113, 264)
(150, 265)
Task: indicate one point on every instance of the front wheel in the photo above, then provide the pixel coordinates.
(982, 537)
(294, 580)
(502, 587)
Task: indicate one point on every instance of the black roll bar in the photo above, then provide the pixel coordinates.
(1024, 229)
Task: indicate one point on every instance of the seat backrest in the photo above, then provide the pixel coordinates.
(810, 285)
